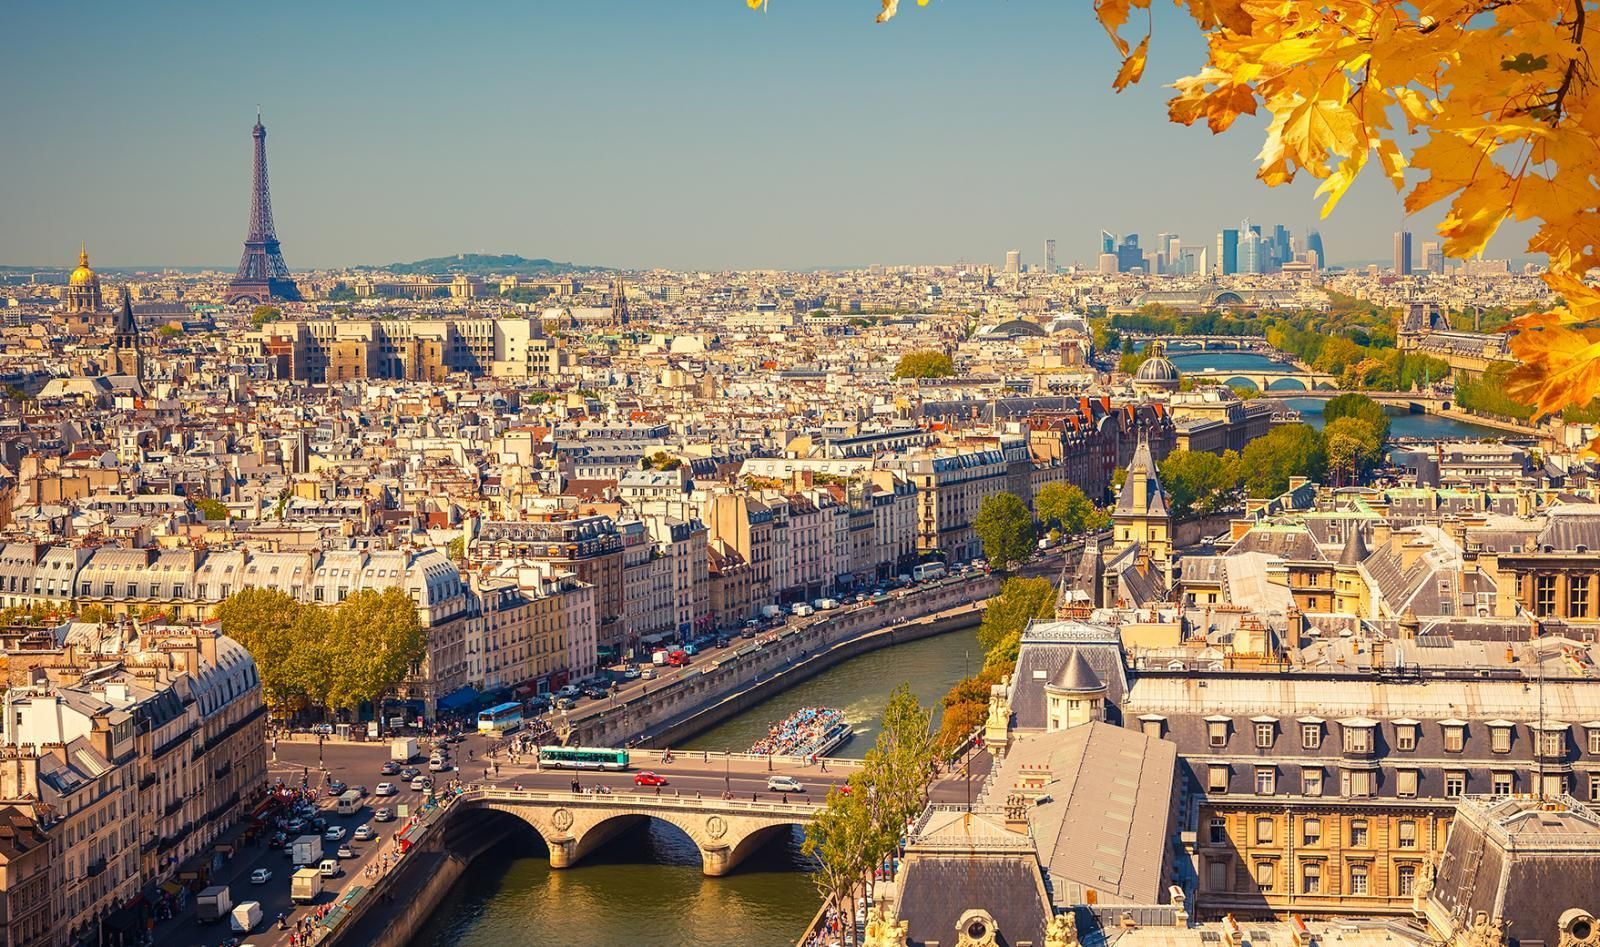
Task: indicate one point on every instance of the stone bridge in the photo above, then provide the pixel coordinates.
(1417, 401)
(1287, 380)
(1191, 343)
(575, 824)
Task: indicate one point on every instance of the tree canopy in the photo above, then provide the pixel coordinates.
(1352, 405)
(1353, 448)
(1064, 506)
(925, 363)
(1498, 103)
(1292, 450)
(1006, 529)
(1199, 481)
(330, 657)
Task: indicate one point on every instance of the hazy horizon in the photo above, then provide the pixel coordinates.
(633, 135)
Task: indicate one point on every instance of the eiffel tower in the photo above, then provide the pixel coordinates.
(263, 277)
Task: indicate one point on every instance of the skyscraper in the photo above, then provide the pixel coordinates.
(1282, 248)
(1050, 255)
(1108, 242)
(1227, 260)
(1432, 258)
(263, 276)
(1402, 253)
(1314, 244)
(1013, 262)
(1129, 256)
(1252, 249)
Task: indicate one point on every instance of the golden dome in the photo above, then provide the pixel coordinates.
(83, 276)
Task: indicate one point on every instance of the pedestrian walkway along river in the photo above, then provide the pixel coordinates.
(646, 888)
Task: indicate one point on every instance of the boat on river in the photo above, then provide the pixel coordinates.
(809, 731)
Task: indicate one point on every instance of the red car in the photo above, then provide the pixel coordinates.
(648, 778)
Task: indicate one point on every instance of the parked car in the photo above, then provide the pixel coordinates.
(648, 778)
(784, 784)
(261, 876)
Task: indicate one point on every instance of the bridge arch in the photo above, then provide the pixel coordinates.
(1240, 381)
(1287, 383)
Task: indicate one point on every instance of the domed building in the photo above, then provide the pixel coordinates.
(83, 286)
(1156, 373)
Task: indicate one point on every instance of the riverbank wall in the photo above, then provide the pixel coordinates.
(692, 700)
(701, 719)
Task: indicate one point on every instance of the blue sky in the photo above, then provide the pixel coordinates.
(633, 133)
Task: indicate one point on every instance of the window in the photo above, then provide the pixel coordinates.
(1407, 834)
(1311, 832)
(1151, 728)
(1594, 742)
(1455, 737)
(1552, 743)
(1217, 778)
(1311, 735)
(1357, 739)
(1405, 783)
(1455, 784)
(1264, 734)
(1502, 784)
(1219, 830)
(1594, 787)
(1356, 783)
(1406, 876)
(1405, 737)
(1264, 831)
(1266, 875)
(1544, 595)
(1552, 784)
(1311, 878)
(1500, 738)
(1358, 833)
(1578, 596)
(1358, 879)
(1311, 781)
(1266, 780)
(1218, 731)
(1218, 880)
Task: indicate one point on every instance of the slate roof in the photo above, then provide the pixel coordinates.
(1046, 648)
(936, 890)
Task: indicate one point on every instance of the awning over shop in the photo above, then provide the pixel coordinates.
(458, 699)
(652, 639)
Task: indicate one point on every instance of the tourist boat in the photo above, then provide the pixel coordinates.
(809, 731)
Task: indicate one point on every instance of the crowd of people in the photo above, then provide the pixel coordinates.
(800, 734)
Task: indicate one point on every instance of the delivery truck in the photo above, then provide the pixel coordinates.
(308, 850)
(213, 904)
(306, 886)
(246, 915)
(403, 749)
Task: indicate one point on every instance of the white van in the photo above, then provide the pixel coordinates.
(329, 867)
(784, 784)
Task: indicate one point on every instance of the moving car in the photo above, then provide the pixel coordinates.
(410, 772)
(345, 851)
(784, 784)
(390, 768)
(364, 833)
(335, 833)
(261, 876)
(336, 787)
(382, 815)
(648, 778)
(417, 785)
(387, 789)
(437, 765)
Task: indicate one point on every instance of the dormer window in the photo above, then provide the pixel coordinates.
(1455, 735)
(1358, 736)
(1217, 731)
(1500, 734)
(1405, 735)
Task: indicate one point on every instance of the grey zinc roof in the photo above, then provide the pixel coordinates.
(1046, 648)
(1076, 675)
(1109, 812)
(937, 889)
(1142, 462)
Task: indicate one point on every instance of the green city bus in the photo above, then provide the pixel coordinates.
(582, 757)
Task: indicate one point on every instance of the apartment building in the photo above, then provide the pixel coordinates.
(332, 351)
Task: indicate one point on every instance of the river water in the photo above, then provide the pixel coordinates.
(645, 888)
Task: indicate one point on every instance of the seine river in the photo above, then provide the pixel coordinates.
(646, 889)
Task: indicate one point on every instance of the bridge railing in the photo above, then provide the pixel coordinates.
(629, 800)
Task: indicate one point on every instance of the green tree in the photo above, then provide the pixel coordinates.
(1354, 447)
(1130, 360)
(1197, 480)
(901, 763)
(1064, 506)
(457, 548)
(267, 623)
(1105, 337)
(1006, 529)
(374, 640)
(168, 332)
(265, 314)
(842, 836)
(1292, 450)
(341, 293)
(925, 363)
(1360, 407)
(211, 508)
(1007, 614)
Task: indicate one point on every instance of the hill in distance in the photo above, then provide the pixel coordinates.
(486, 264)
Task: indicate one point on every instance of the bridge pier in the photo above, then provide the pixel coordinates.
(566, 851)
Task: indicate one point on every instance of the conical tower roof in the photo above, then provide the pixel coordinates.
(1355, 550)
(1077, 676)
(1142, 465)
(125, 326)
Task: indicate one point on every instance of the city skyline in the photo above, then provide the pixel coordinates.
(713, 137)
